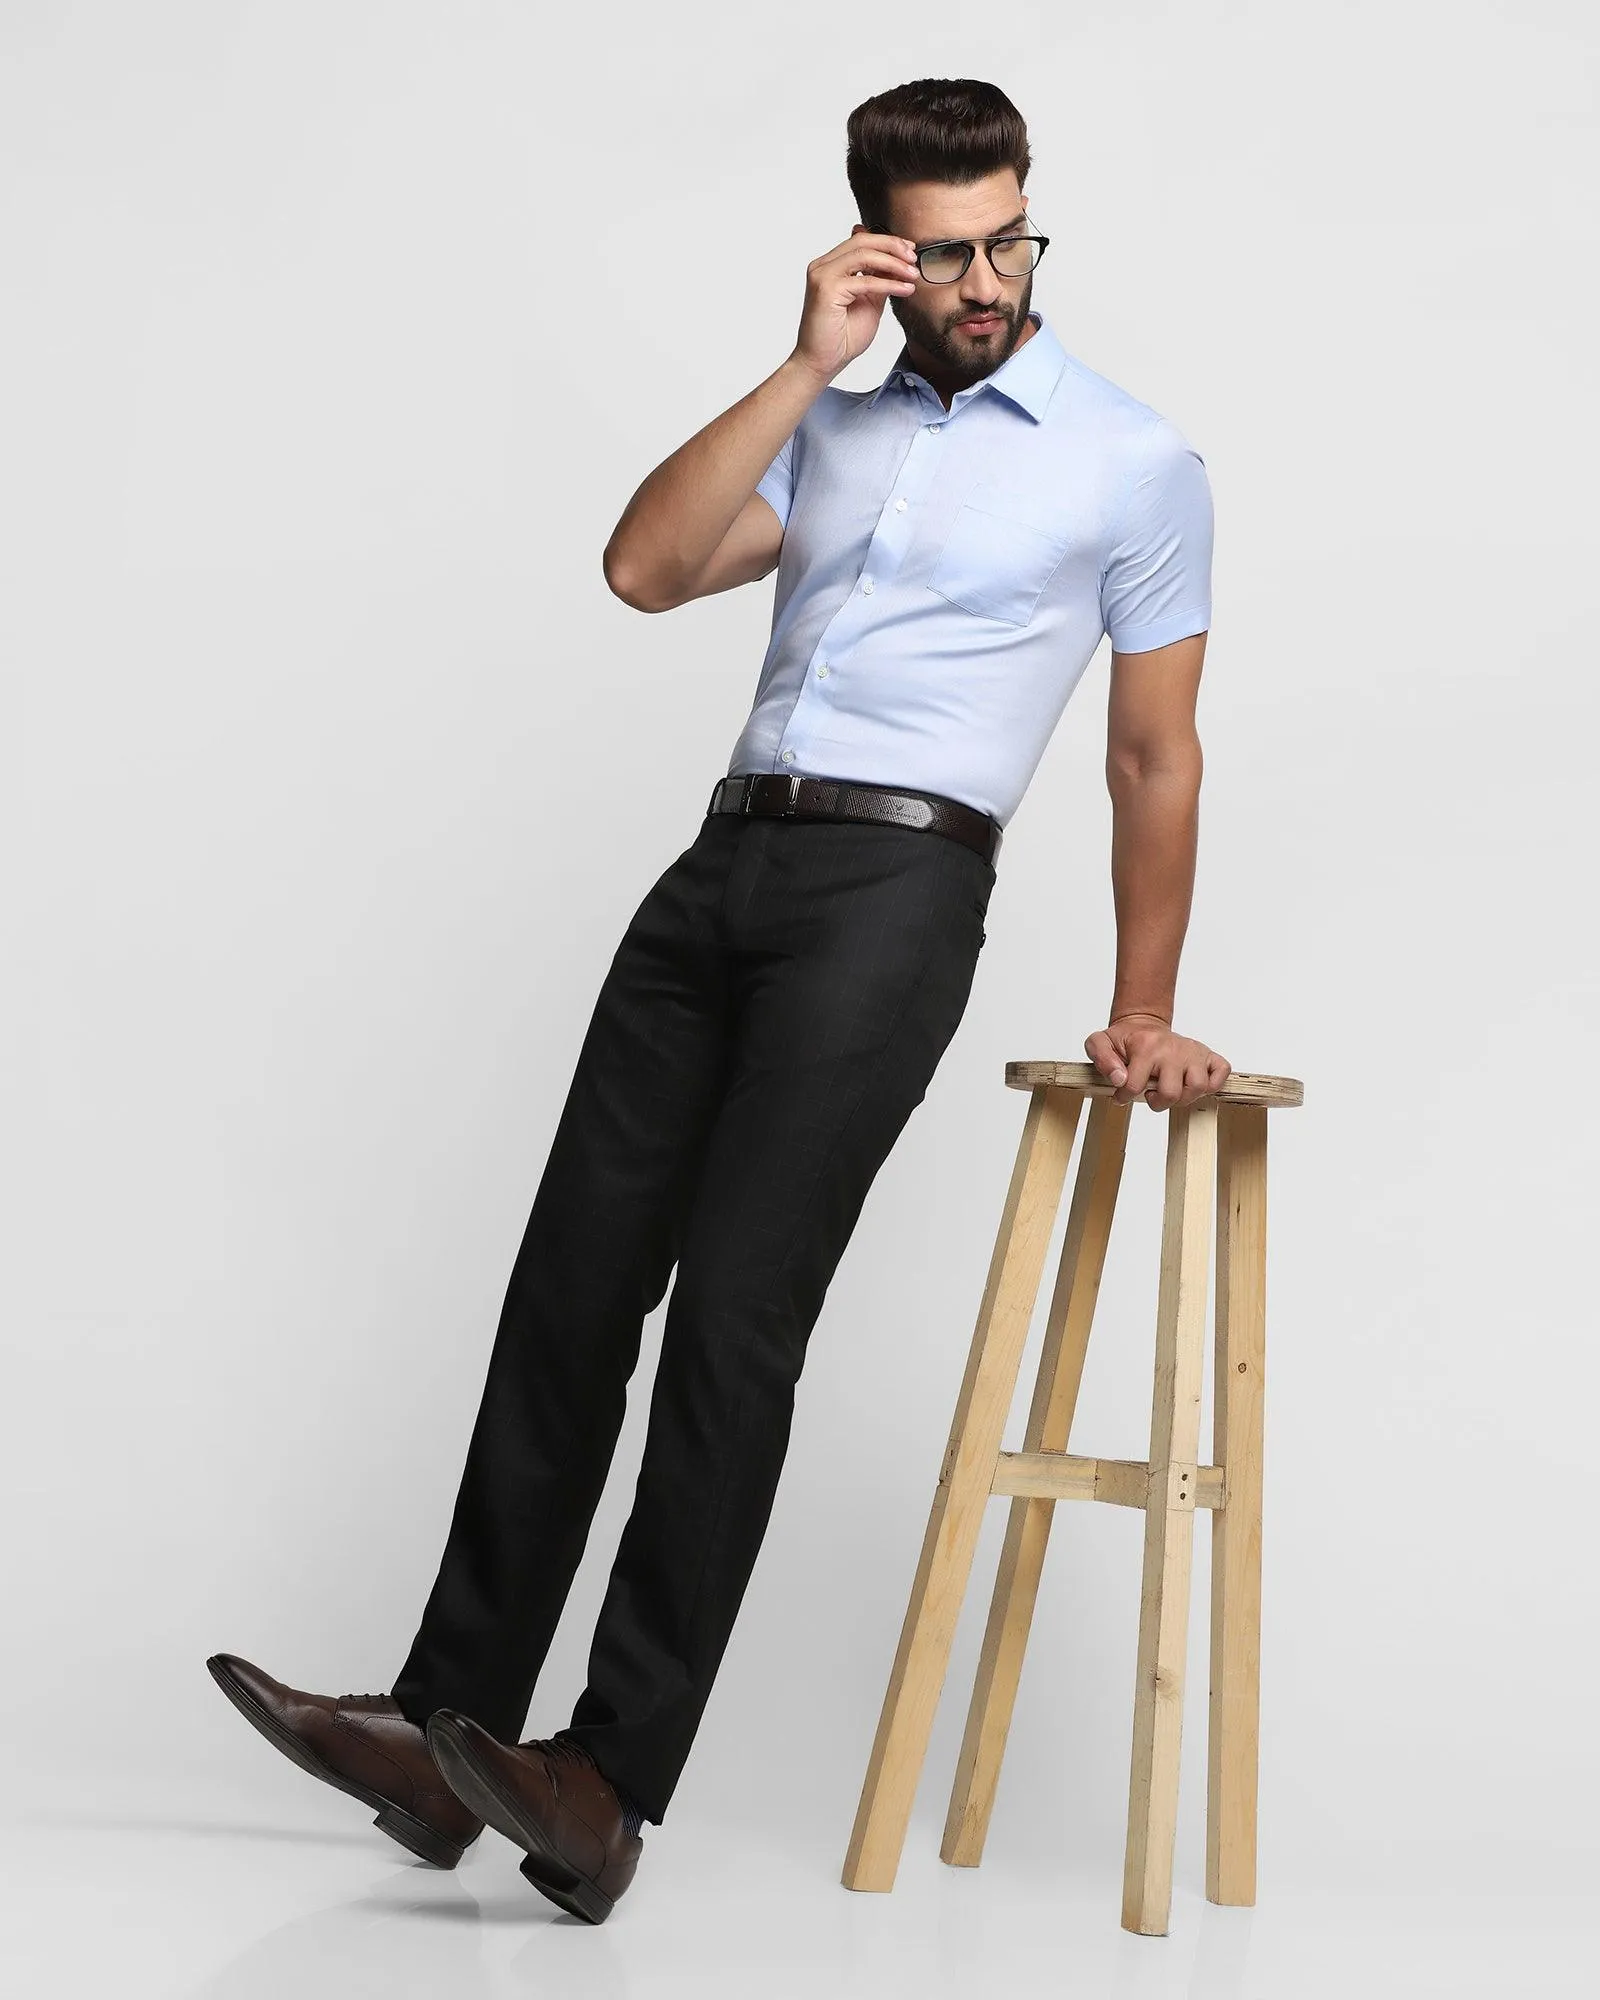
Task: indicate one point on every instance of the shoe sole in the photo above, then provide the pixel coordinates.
(412, 1833)
(550, 1872)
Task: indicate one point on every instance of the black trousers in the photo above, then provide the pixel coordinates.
(772, 1016)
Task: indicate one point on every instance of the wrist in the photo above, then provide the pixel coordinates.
(1139, 1014)
(802, 371)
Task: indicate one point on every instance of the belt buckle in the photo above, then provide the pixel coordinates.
(786, 811)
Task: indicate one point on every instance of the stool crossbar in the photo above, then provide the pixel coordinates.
(1216, 1165)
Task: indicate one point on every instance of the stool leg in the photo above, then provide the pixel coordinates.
(1169, 1517)
(1066, 1340)
(965, 1478)
(1233, 1760)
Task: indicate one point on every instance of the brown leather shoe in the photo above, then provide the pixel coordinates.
(363, 1745)
(550, 1798)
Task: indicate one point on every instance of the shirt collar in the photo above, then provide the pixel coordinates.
(1027, 376)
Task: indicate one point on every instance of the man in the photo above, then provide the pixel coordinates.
(951, 546)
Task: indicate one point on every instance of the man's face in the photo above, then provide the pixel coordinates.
(932, 316)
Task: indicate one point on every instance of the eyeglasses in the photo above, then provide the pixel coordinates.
(1011, 256)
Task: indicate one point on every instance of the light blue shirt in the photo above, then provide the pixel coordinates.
(946, 575)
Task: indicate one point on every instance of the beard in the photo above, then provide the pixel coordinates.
(959, 355)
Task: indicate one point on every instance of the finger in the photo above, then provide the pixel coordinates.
(1166, 1084)
(1139, 1070)
(879, 239)
(874, 253)
(861, 284)
(1220, 1069)
(1196, 1080)
(1102, 1052)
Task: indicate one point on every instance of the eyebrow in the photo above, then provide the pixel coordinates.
(1005, 227)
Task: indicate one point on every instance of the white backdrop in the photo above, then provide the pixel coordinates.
(335, 339)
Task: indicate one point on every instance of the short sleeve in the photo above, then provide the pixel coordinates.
(776, 484)
(1156, 585)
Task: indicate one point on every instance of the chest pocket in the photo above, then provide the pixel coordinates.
(1001, 551)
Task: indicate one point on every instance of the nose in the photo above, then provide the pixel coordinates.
(992, 292)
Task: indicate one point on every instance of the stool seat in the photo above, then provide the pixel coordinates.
(1215, 1188)
(1240, 1088)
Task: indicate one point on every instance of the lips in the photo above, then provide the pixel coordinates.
(981, 324)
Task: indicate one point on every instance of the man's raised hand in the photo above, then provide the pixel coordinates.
(845, 292)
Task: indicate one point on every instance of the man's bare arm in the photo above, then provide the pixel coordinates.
(697, 525)
(1153, 769)
(704, 496)
(1153, 772)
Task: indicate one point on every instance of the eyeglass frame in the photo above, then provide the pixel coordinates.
(970, 245)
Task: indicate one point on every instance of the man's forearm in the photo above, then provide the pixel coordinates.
(680, 514)
(1154, 837)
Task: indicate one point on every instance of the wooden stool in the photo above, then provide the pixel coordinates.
(1216, 1145)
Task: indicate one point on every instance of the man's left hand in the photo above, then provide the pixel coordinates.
(1142, 1056)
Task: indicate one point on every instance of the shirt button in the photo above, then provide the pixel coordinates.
(899, 506)
(788, 756)
(933, 427)
(866, 585)
(822, 673)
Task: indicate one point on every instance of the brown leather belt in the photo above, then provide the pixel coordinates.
(789, 795)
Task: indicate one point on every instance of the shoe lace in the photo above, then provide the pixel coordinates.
(560, 1747)
(565, 1750)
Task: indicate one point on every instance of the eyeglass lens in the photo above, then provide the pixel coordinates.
(1011, 256)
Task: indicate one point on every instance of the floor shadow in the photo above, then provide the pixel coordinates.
(98, 1822)
(391, 1941)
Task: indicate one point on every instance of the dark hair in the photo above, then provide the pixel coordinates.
(940, 128)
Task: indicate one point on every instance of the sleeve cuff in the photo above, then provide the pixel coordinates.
(772, 491)
(1160, 632)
